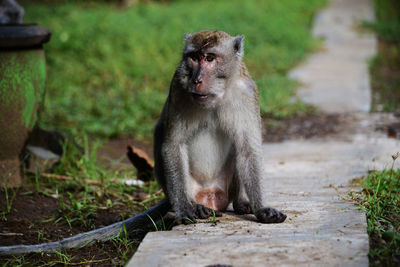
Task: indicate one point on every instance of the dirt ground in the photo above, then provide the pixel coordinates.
(303, 126)
(33, 216)
(36, 218)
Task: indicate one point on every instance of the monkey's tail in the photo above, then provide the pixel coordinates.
(102, 234)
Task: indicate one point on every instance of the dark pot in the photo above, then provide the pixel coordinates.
(22, 83)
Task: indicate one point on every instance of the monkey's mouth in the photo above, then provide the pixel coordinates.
(201, 97)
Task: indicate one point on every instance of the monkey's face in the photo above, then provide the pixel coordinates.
(203, 83)
(209, 60)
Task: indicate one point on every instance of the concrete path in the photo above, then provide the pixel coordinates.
(336, 78)
(307, 179)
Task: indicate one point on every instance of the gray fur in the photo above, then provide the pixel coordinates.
(239, 45)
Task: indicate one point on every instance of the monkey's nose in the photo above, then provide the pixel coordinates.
(197, 81)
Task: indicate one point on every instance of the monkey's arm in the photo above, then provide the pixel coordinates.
(171, 163)
(176, 171)
(88, 238)
(249, 157)
(249, 170)
(249, 166)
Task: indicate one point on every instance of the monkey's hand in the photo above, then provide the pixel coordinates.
(195, 211)
(202, 212)
(185, 214)
(270, 215)
(242, 207)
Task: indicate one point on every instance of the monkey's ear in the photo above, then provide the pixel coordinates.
(188, 44)
(238, 45)
(186, 37)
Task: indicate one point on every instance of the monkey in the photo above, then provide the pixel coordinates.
(207, 141)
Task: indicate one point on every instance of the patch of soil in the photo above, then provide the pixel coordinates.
(303, 126)
(32, 220)
(113, 152)
(391, 129)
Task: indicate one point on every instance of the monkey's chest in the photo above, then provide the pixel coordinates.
(209, 158)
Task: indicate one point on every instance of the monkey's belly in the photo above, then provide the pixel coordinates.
(211, 169)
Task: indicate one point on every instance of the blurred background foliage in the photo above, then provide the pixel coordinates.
(109, 63)
(387, 23)
(385, 66)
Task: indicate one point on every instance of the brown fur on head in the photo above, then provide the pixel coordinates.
(205, 39)
(208, 39)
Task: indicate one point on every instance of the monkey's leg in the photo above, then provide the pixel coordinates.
(176, 167)
(249, 170)
(240, 203)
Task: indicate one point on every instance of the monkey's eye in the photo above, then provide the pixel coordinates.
(192, 56)
(210, 57)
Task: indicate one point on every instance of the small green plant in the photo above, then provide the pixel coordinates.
(37, 187)
(39, 235)
(18, 261)
(78, 211)
(380, 198)
(153, 223)
(9, 199)
(123, 243)
(63, 258)
(213, 219)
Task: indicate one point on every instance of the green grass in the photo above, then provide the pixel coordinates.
(385, 78)
(387, 23)
(385, 67)
(109, 68)
(380, 199)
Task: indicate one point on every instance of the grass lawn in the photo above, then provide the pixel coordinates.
(109, 68)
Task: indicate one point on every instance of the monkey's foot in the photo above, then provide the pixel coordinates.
(197, 211)
(242, 208)
(202, 212)
(270, 215)
(186, 217)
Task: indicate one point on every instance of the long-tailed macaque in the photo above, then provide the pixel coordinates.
(207, 142)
